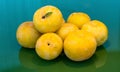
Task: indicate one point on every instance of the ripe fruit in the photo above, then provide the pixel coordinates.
(66, 29)
(78, 18)
(49, 46)
(98, 29)
(27, 35)
(48, 19)
(79, 45)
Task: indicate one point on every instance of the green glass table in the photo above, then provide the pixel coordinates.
(14, 58)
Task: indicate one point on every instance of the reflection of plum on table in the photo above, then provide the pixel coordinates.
(26, 57)
(100, 56)
(29, 59)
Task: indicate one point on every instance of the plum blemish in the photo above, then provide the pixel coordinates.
(46, 15)
(48, 44)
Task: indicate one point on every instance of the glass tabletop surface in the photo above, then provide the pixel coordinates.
(14, 58)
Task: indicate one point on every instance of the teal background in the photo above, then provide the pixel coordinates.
(14, 58)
